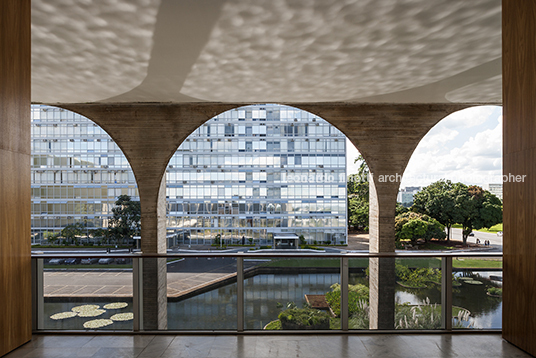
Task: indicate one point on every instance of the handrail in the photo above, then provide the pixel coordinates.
(274, 255)
(446, 259)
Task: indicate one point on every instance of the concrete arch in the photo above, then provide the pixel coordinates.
(149, 134)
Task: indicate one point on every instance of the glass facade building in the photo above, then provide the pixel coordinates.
(77, 172)
(256, 171)
(246, 174)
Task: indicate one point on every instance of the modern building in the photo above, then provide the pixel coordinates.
(405, 195)
(496, 189)
(256, 171)
(77, 170)
(248, 173)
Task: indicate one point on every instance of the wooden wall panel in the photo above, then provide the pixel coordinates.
(519, 136)
(15, 268)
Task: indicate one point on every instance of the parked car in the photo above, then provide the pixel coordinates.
(89, 261)
(72, 261)
(122, 261)
(56, 261)
(106, 261)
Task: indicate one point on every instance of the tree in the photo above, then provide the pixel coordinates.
(358, 212)
(71, 231)
(50, 236)
(358, 196)
(439, 201)
(126, 219)
(480, 209)
(451, 203)
(358, 184)
(400, 209)
(413, 226)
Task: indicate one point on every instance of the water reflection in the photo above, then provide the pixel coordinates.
(264, 294)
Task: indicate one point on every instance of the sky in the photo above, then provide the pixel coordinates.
(465, 146)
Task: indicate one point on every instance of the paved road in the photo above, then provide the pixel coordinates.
(495, 240)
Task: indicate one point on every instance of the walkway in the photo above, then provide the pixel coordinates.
(301, 346)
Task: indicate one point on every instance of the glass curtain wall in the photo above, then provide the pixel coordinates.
(256, 171)
(77, 172)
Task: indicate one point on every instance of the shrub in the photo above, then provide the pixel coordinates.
(356, 293)
(496, 291)
(304, 318)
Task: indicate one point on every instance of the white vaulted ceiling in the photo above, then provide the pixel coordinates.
(266, 51)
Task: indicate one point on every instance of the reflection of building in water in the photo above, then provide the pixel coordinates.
(257, 171)
(247, 173)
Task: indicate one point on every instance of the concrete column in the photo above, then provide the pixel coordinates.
(154, 270)
(381, 239)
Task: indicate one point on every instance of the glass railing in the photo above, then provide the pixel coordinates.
(267, 291)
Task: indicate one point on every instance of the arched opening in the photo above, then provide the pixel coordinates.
(465, 147)
(257, 171)
(452, 180)
(77, 174)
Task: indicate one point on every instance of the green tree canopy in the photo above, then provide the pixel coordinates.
(126, 220)
(451, 203)
(413, 226)
(441, 200)
(358, 196)
(479, 209)
(71, 231)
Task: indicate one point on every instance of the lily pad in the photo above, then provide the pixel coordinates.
(115, 305)
(63, 315)
(85, 308)
(98, 323)
(122, 316)
(91, 313)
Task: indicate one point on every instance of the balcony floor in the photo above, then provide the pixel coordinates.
(315, 346)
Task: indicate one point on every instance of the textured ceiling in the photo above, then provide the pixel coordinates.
(266, 51)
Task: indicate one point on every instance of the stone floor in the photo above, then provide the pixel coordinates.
(314, 346)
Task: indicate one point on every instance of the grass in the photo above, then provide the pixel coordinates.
(433, 246)
(477, 263)
(494, 229)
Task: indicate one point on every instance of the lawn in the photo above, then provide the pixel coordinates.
(476, 263)
(494, 229)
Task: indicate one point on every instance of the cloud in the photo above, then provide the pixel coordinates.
(466, 146)
(469, 117)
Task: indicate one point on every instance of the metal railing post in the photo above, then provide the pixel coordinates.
(38, 299)
(137, 293)
(240, 294)
(344, 293)
(446, 292)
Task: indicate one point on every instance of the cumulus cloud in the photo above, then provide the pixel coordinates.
(466, 147)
